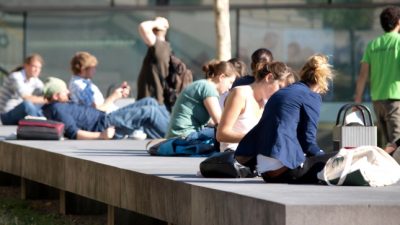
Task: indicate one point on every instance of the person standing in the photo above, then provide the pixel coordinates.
(156, 62)
(21, 92)
(381, 65)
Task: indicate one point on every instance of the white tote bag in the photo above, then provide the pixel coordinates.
(361, 166)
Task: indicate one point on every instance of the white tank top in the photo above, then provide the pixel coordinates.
(245, 122)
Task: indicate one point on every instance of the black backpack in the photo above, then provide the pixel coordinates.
(178, 78)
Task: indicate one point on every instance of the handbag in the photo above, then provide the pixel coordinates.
(356, 133)
(361, 166)
(39, 129)
(224, 165)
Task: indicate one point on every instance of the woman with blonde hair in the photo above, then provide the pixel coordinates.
(245, 104)
(198, 103)
(283, 144)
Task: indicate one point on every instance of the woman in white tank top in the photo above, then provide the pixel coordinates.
(245, 104)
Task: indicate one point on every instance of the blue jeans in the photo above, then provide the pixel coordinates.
(205, 133)
(20, 111)
(146, 113)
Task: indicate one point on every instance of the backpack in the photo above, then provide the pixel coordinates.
(178, 78)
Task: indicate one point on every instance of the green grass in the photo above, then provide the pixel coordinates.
(19, 212)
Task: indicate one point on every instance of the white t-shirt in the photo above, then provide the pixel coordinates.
(16, 85)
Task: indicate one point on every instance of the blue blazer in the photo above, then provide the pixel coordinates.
(288, 127)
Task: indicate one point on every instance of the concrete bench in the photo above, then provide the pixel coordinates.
(122, 175)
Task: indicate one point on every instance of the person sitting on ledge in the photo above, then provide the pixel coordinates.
(85, 122)
(84, 91)
(21, 92)
(283, 144)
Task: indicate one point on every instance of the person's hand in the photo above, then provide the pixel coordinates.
(108, 133)
(126, 89)
(390, 147)
(161, 23)
(117, 94)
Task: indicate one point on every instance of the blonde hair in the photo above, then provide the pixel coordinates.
(81, 61)
(317, 71)
(279, 70)
(28, 60)
(216, 68)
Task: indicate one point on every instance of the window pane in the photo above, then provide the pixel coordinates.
(54, 2)
(294, 35)
(11, 41)
(113, 38)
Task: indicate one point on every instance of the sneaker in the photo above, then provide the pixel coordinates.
(138, 135)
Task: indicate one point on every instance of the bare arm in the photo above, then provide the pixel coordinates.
(146, 29)
(361, 81)
(35, 99)
(121, 92)
(213, 108)
(89, 135)
(234, 105)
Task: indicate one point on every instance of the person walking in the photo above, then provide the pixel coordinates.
(381, 65)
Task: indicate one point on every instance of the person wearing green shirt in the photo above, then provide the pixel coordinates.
(198, 103)
(381, 64)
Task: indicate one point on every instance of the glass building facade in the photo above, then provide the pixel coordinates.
(293, 30)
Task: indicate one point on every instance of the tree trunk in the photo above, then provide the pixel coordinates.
(221, 10)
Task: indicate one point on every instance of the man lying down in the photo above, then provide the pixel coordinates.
(85, 122)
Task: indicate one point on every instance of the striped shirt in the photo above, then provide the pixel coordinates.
(16, 85)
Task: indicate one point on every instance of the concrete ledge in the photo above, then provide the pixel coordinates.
(123, 176)
(93, 180)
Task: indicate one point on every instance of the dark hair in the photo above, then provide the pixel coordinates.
(240, 66)
(261, 55)
(279, 70)
(389, 18)
(216, 68)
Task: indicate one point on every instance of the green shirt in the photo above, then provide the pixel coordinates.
(383, 57)
(189, 113)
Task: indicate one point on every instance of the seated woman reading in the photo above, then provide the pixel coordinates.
(198, 102)
(245, 104)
